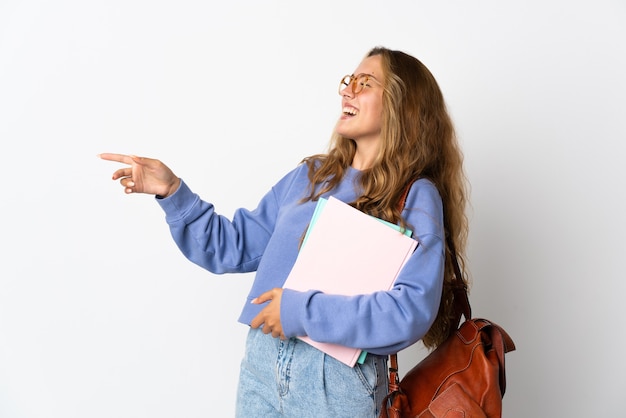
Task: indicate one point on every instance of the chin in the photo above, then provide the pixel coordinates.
(341, 130)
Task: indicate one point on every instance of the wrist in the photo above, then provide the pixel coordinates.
(171, 189)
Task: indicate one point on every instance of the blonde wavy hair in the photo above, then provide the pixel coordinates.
(418, 141)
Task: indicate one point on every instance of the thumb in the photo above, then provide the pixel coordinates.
(138, 160)
(262, 298)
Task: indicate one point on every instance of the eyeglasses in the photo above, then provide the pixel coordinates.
(356, 83)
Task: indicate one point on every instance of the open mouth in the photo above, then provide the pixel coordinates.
(349, 111)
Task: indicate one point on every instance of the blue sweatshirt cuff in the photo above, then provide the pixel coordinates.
(178, 203)
(293, 306)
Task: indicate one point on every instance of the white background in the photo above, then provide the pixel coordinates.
(101, 316)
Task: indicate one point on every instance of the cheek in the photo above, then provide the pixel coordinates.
(377, 111)
(379, 116)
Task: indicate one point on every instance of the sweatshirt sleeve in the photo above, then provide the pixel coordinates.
(214, 242)
(387, 321)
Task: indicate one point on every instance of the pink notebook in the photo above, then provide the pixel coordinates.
(347, 252)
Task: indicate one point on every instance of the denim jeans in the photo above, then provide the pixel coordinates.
(290, 378)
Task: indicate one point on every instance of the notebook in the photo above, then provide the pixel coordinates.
(348, 252)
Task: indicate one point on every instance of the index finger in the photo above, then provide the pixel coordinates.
(120, 158)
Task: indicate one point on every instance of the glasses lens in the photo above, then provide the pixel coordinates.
(359, 83)
(345, 82)
(356, 84)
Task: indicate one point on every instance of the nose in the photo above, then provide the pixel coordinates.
(346, 91)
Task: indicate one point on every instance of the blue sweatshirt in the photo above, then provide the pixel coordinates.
(266, 240)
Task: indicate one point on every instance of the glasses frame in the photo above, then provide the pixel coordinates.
(355, 86)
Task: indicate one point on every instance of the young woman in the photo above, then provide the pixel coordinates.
(394, 133)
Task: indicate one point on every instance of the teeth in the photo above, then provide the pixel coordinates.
(349, 111)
